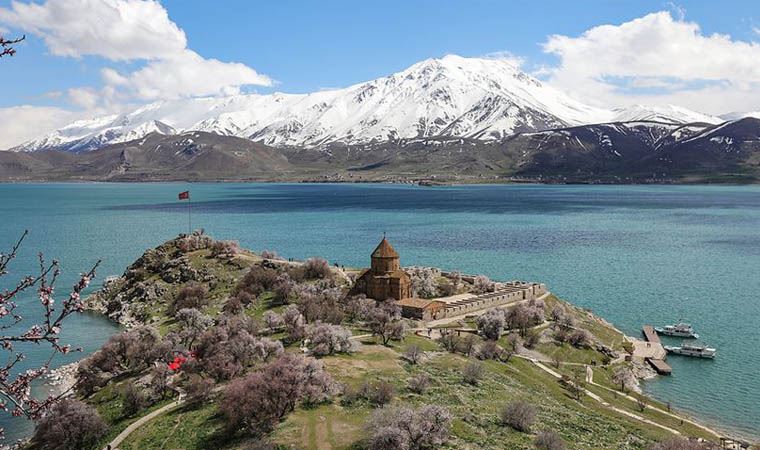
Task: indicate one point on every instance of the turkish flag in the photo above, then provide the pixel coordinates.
(184, 195)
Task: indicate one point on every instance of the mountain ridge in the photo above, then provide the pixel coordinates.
(487, 99)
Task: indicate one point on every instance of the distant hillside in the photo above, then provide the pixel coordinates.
(619, 152)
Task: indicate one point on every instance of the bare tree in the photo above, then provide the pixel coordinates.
(15, 390)
(272, 320)
(519, 415)
(385, 321)
(7, 46)
(413, 353)
(483, 284)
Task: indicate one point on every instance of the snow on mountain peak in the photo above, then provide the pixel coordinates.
(482, 98)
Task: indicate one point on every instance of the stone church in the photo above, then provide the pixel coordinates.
(384, 279)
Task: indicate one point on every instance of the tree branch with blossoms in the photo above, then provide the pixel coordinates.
(6, 46)
(16, 391)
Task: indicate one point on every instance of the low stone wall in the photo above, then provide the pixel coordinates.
(510, 293)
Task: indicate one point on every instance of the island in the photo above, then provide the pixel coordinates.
(227, 348)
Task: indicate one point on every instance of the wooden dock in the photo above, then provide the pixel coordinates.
(650, 335)
(660, 366)
(655, 353)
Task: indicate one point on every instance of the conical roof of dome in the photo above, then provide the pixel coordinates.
(384, 250)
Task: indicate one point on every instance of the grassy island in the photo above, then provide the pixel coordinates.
(215, 333)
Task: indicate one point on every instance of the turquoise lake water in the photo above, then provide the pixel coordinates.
(632, 254)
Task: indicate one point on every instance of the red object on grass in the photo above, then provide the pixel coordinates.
(184, 195)
(176, 364)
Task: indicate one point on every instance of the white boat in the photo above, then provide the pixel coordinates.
(698, 351)
(681, 329)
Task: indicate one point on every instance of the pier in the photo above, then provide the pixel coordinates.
(652, 351)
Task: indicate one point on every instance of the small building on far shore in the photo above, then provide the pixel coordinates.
(421, 308)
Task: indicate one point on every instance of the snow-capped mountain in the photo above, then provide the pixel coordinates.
(664, 113)
(480, 98)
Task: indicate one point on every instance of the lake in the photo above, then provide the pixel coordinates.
(632, 254)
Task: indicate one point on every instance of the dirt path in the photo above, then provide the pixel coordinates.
(114, 444)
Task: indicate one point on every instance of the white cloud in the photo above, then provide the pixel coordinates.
(115, 29)
(186, 74)
(128, 30)
(658, 59)
(23, 123)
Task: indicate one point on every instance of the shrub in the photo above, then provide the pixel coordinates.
(316, 268)
(483, 284)
(258, 280)
(257, 402)
(134, 400)
(406, 428)
(580, 339)
(381, 393)
(272, 320)
(419, 383)
(519, 415)
(467, 344)
(549, 440)
(473, 372)
(449, 341)
(224, 249)
(70, 425)
(412, 353)
(490, 350)
(327, 339)
(198, 389)
(270, 254)
(191, 296)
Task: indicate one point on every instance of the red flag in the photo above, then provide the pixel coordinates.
(184, 195)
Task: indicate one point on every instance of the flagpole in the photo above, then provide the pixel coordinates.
(189, 223)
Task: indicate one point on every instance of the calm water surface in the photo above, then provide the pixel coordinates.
(632, 254)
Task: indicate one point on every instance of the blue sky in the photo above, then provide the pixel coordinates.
(302, 46)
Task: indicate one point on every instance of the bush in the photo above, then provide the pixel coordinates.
(70, 425)
(224, 249)
(490, 350)
(191, 296)
(198, 389)
(549, 440)
(258, 280)
(270, 254)
(134, 400)
(272, 320)
(580, 339)
(483, 284)
(316, 268)
(473, 372)
(419, 383)
(519, 415)
(467, 344)
(392, 428)
(450, 342)
(413, 353)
